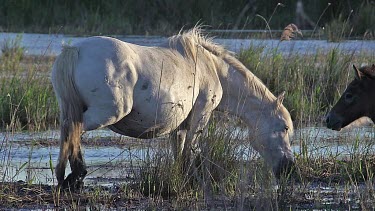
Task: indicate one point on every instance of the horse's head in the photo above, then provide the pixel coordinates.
(273, 138)
(357, 100)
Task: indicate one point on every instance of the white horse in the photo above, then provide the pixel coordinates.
(147, 92)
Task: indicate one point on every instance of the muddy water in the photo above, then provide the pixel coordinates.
(110, 157)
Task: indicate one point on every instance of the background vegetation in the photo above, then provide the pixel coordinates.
(168, 16)
(27, 100)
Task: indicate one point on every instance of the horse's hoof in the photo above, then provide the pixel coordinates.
(72, 184)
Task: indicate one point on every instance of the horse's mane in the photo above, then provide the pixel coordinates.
(193, 39)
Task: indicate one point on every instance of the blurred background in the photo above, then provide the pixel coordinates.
(165, 17)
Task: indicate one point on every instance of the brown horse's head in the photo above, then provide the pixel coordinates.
(357, 101)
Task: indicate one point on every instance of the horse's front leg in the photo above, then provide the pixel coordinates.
(198, 165)
(178, 137)
(197, 125)
(186, 136)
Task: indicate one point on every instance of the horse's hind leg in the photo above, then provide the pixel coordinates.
(70, 148)
(99, 114)
(74, 181)
(93, 118)
(61, 164)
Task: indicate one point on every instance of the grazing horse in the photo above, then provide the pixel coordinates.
(357, 101)
(147, 92)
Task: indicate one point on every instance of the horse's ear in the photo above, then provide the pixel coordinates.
(280, 99)
(357, 74)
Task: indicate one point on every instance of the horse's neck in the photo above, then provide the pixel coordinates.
(244, 95)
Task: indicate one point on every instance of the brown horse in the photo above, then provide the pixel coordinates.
(357, 100)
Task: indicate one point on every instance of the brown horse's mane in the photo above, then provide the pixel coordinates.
(368, 71)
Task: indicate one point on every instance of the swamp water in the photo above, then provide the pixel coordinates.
(111, 158)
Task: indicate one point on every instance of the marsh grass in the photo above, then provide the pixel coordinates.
(27, 102)
(12, 50)
(220, 170)
(312, 82)
(26, 96)
(230, 174)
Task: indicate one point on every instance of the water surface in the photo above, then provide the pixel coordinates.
(29, 155)
(45, 44)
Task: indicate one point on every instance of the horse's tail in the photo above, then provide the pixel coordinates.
(71, 107)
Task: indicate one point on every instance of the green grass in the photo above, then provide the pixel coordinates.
(229, 172)
(27, 100)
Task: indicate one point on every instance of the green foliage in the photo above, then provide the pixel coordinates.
(27, 100)
(13, 48)
(99, 16)
(364, 20)
(12, 53)
(166, 16)
(27, 103)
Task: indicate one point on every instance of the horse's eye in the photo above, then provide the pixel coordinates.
(348, 97)
(286, 128)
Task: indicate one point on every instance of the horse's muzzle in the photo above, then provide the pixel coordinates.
(333, 122)
(286, 166)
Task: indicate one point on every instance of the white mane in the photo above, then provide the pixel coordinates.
(192, 39)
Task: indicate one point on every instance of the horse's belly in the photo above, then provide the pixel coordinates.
(138, 126)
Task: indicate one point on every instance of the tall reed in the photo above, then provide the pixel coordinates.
(27, 100)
